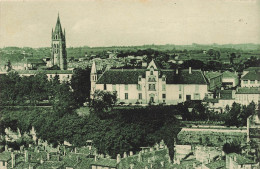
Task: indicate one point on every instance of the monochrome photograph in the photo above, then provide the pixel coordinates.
(129, 84)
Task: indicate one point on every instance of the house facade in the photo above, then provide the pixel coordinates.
(151, 85)
(214, 80)
(245, 95)
(229, 79)
(251, 79)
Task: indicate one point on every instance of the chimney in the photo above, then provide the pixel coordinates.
(26, 156)
(118, 158)
(6, 147)
(75, 149)
(13, 159)
(189, 70)
(125, 155)
(48, 156)
(151, 149)
(131, 153)
(162, 163)
(177, 71)
(96, 158)
(140, 157)
(41, 160)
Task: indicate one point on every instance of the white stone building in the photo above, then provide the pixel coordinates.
(251, 79)
(151, 85)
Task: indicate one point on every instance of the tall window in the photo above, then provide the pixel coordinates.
(179, 87)
(196, 88)
(163, 87)
(139, 87)
(245, 82)
(140, 96)
(114, 87)
(126, 86)
(105, 86)
(180, 96)
(163, 96)
(139, 78)
(151, 72)
(152, 87)
(163, 78)
(126, 96)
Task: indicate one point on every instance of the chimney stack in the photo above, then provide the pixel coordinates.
(26, 156)
(48, 156)
(125, 155)
(118, 158)
(189, 70)
(13, 159)
(131, 153)
(177, 71)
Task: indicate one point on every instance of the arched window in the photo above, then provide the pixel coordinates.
(56, 36)
(57, 45)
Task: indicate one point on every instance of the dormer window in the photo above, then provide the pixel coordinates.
(163, 78)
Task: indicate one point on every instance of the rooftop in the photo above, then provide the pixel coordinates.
(210, 75)
(228, 74)
(130, 76)
(247, 90)
(5, 156)
(240, 159)
(251, 76)
(45, 71)
(105, 162)
(217, 164)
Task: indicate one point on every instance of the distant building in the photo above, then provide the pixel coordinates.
(229, 79)
(151, 85)
(245, 95)
(250, 69)
(64, 75)
(58, 47)
(214, 80)
(33, 63)
(251, 79)
(236, 161)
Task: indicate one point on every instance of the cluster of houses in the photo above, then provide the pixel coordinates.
(168, 86)
(188, 153)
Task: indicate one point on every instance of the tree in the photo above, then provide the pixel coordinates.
(63, 101)
(80, 83)
(232, 147)
(103, 101)
(8, 66)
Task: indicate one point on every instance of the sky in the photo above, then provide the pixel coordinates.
(130, 22)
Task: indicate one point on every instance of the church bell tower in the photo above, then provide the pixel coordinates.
(58, 47)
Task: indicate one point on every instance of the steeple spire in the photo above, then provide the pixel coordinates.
(58, 29)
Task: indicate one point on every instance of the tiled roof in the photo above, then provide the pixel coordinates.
(241, 159)
(246, 90)
(121, 76)
(183, 77)
(130, 76)
(216, 164)
(251, 76)
(228, 74)
(252, 69)
(34, 60)
(225, 94)
(105, 162)
(5, 156)
(210, 75)
(51, 164)
(45, 71)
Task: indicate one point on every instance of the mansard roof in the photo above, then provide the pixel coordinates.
(130, 76)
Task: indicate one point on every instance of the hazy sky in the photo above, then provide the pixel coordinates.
(130, 22)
